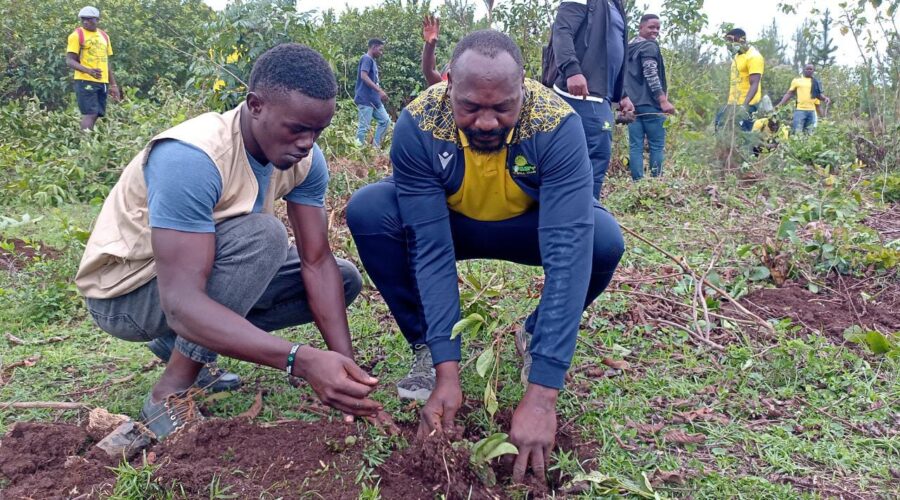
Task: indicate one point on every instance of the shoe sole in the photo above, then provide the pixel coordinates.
(418, 395)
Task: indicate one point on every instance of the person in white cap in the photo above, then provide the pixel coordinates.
(87, 52)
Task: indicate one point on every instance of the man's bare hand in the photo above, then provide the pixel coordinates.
(338, 381)
(95, 72)
(431, 29)
(577, 85)
(440, 410)
(533, 431)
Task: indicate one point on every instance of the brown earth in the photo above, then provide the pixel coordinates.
(23, 253)
(286, 459)
(844, 302)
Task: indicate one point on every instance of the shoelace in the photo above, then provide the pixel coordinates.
(181, 408)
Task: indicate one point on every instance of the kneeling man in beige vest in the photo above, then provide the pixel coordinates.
(187, 255)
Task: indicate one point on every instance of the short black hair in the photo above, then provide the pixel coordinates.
(488, 43)
(293, 67)
(374, 42)
(737, 33)
(648, 17)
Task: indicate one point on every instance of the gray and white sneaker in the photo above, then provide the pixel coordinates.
(420, 381)
(523, 347)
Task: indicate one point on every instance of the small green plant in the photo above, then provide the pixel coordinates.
(133, 483)
(489, 448)
(875, 341)
(219, 491)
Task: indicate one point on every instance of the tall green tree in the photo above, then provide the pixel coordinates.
(771, 45)
(823, 53)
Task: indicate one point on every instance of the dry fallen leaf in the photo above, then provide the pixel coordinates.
(703, 414)
(680, 437)
(618, 364)
(668, 477)
(646, 429)
(255, 408)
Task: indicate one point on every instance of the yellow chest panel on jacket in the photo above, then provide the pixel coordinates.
(488, 192)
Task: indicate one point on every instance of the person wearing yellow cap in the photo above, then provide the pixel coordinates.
(87, 53)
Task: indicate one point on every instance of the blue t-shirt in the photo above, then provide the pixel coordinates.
(184, 186)
(615, 47)
(365, 95)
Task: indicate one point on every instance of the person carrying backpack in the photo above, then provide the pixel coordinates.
(87, 52)
(588, 42)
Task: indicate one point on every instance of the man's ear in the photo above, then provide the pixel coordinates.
(254, 103)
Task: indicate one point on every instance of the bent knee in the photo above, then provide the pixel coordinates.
(373, 209)
(609, 244)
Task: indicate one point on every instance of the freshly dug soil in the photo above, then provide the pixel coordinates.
(35, 463)
(835, 308)
(22, 254)
(288, 459)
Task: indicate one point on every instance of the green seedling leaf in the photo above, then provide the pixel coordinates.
(759, 273)
(485, 362)
(615, 485)
(490, 400)
(468, 323)
(492, 447)
(502, 449)
(878, 343)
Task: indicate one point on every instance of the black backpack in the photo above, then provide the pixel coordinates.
(549, 69)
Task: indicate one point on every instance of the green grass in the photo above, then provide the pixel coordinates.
(827, 399)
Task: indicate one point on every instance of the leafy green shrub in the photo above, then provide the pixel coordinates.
(821, 148)
(886, 187)
(47, 160)
(151, 39)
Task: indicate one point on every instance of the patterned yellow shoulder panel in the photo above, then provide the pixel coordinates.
(542, 111)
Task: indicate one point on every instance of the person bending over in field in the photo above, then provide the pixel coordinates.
(489, 165)
(186, 244)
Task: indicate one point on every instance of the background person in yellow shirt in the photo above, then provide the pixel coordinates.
(808, 92)
(87, 52)
(745, 89)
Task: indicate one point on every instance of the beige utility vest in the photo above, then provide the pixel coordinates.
(118, 257)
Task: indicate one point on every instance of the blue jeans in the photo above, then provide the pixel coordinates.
(365, 115)
(804, 121)
(373, 217)
(651, 127)
(597, 120)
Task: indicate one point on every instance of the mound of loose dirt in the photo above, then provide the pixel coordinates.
(290, 460)
(22, 254)
(42, 460)
(843, 303)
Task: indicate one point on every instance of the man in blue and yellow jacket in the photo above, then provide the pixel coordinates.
(488, 165)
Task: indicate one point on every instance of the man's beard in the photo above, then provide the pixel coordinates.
(474, 135)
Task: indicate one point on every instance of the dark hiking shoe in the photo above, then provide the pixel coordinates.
(420, 381)
(171, 414)
(211, 378)
(214, 379)
(523, 347)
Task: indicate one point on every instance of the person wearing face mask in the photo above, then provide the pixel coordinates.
(745, 90)
(488, 165)
(645, 82)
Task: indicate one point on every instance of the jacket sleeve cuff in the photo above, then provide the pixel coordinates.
(546, 372)
(445, 349)
(571, 69)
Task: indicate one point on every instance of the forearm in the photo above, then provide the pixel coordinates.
(651, 76)
(785, 99)
(76, 65)
(112, 76)
(326, 301)
(368, 81)
(199, 319)
(428, 63)
(751, 93)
